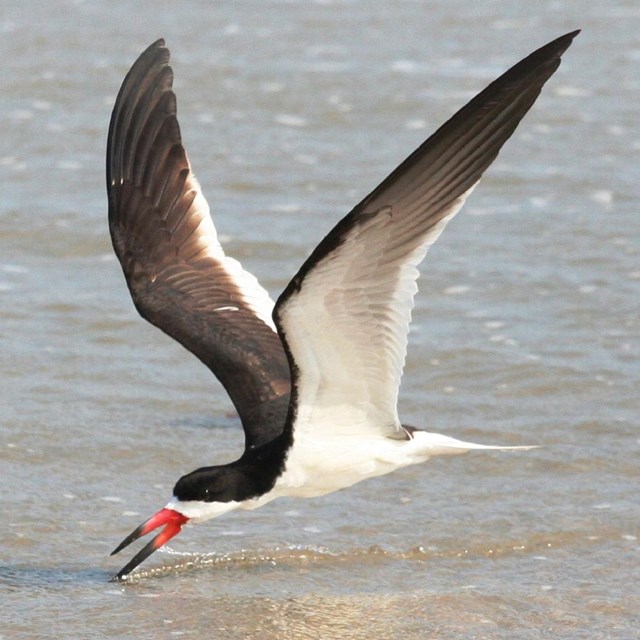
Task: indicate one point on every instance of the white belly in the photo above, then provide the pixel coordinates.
(316, 468)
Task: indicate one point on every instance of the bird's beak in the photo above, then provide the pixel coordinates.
(173, 521)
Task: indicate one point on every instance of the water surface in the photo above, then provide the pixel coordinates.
(526, 329)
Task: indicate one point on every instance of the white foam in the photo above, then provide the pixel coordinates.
(456, 290)
(290, 120)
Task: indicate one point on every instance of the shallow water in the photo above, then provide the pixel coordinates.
(526, 329)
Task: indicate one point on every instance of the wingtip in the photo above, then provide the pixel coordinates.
(157, 50)
(569, 37)
(562, 43)
(549, 52)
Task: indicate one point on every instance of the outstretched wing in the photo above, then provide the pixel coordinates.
(178, 275)
(345, 316)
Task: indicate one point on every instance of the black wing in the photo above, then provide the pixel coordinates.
(178, 275)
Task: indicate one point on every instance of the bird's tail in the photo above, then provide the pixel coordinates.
(438, 444)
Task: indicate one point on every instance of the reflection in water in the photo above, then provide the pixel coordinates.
(374, 593)
(383, 609)
(298, 557)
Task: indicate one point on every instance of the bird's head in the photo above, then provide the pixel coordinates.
(200, 495)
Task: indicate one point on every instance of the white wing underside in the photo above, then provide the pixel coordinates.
(347, 327)
(206, 243)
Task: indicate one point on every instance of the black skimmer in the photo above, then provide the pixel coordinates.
(315, 377)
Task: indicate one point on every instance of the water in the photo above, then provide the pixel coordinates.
(526, 329)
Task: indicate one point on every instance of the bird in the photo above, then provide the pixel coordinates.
(314, 378)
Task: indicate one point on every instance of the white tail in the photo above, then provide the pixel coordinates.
(438, 444)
